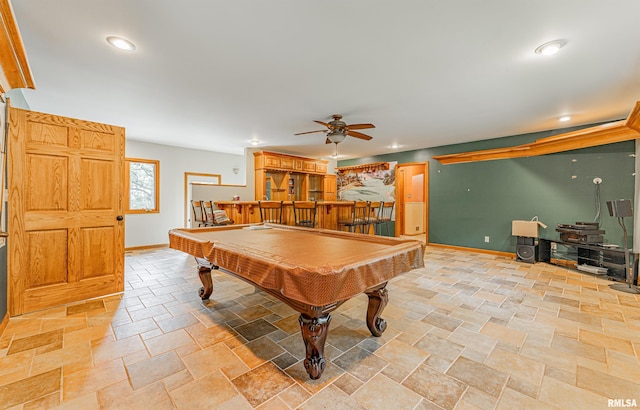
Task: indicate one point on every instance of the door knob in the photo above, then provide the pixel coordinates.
(119, 217)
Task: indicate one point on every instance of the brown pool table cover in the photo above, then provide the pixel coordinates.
(313, 266)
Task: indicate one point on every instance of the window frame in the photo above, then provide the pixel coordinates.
(156, 177)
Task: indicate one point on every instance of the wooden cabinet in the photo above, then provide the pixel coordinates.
(315, 188)
(287, 163)
(309, 166)
(278, 187)
(321, 167)
(330, 187)
(271, 161)
(281, 177)
(284, 162)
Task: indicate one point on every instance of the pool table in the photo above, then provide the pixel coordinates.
(312, 270)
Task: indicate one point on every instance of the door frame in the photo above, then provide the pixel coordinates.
(400, 202)
(187, 191)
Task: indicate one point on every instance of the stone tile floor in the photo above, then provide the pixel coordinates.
(469, 331)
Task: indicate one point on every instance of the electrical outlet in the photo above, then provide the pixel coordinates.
(486, 239)
(417, 228)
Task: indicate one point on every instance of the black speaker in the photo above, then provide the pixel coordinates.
(526, 240)
(527, 249)
(527, 253)
(544, 250)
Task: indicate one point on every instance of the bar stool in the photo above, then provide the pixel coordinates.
(270, 211)
(207, 208)
(360, 217)
(383, 215)
(198, 214)
(304, 213)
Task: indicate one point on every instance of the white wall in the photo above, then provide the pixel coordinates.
(152, 229)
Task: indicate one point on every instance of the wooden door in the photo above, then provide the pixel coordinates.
(412, 188)
(66, 199)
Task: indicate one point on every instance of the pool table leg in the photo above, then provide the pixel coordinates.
(205, 277)
(378, 298)
(314, 334)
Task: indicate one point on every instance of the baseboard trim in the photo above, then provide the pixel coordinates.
(463, 248)
(145, 247)
(4, 323)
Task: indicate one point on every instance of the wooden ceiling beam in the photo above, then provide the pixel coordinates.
(14, 67)
(610, 133)
(633, 120)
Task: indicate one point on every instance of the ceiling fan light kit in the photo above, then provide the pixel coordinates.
(338, 130)
(335, 137)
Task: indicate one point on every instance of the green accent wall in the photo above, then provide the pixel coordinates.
(472, 200)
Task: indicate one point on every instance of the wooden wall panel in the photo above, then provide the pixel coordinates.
(47, 134)
(94, 193)
(98, 141)
(48, 258)
(97, 252)
(47, 183)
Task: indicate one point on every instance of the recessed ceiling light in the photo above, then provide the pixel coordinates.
(564, 118)
(255, 142)
(551, 47)
(394, 146)
(121, 43)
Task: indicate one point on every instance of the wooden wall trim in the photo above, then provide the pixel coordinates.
(146, 247)
(476, 250)
(610, 133)
(13, 58)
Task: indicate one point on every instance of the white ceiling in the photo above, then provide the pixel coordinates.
(215, 74)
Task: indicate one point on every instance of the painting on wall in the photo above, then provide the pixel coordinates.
(367, 182)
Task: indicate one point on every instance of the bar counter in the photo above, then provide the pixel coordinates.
(328, 214)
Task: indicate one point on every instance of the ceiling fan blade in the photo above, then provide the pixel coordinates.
(321, 123)
(310, 132)
(360, 126)
(359, 135)
(327, 141)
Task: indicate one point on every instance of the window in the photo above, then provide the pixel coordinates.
(143, 185)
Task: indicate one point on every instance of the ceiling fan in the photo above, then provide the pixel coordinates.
(338, 130)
